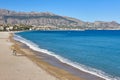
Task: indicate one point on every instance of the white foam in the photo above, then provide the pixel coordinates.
(81, 67)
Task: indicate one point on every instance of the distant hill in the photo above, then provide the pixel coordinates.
(51, 20)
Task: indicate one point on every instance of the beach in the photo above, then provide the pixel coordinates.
(24, 65)
(55, 66)
(18, 67)
(32, 65)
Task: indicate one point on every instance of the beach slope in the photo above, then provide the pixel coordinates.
(18, 68)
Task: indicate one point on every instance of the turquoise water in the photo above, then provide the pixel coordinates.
(99, 50)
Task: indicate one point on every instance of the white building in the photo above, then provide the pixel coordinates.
(1, 28)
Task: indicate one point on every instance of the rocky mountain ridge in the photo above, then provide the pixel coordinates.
(43, 19)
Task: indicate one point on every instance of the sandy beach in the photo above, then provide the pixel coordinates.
(18, 68)
(27, 65)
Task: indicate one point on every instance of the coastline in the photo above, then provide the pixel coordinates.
(18, 67)
(24, 50)
(76, 72)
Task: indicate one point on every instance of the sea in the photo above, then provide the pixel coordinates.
(93, 51)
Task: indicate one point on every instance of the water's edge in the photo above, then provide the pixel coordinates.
(83, 68)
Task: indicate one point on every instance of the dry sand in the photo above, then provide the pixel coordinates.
(18, 68)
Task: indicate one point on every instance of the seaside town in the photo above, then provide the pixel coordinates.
(20, 27)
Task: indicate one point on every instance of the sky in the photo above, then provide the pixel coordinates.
(85, 10)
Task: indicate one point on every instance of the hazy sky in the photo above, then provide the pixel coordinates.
(86, 10)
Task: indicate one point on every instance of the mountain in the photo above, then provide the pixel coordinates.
(43, 19)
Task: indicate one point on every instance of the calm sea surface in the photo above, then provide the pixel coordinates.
(99, 50)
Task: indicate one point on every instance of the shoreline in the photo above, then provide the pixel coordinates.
(18, 67)
(52, 70)
(76, 72)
